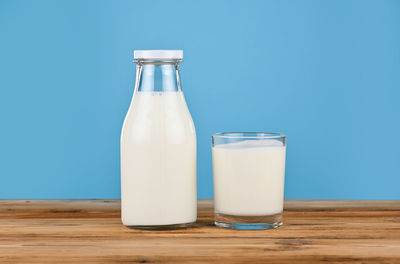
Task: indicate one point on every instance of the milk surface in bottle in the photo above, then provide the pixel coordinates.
(158, 147)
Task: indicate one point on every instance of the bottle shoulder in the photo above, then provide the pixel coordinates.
(159, 115)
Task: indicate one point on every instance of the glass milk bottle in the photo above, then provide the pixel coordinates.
(158, 147)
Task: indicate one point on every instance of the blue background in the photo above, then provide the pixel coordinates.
(326, 73)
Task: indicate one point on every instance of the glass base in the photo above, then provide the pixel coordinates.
(248, 222)
(162, 227)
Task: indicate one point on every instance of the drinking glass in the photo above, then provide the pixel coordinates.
(249, 175)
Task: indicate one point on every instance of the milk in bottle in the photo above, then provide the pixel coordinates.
(158, 147)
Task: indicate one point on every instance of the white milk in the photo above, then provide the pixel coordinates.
(249, 177)
(158, 161)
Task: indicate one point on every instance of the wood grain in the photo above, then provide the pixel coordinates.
(90, 231)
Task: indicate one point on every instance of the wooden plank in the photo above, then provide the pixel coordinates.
(90, 231)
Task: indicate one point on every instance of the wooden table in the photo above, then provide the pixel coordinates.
(90, 231)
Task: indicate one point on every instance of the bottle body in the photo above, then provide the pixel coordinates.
(158, 157)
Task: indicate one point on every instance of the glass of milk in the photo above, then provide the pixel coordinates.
(249, 175)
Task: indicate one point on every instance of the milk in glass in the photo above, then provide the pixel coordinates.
(249, 177)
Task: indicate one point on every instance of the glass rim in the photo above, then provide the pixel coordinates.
(261, 135)
(157, 61)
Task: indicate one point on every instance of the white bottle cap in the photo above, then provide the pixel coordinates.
(158, 54)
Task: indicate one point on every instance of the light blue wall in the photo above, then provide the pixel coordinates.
(326, 73)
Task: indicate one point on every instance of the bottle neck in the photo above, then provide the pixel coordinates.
(157, 76)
